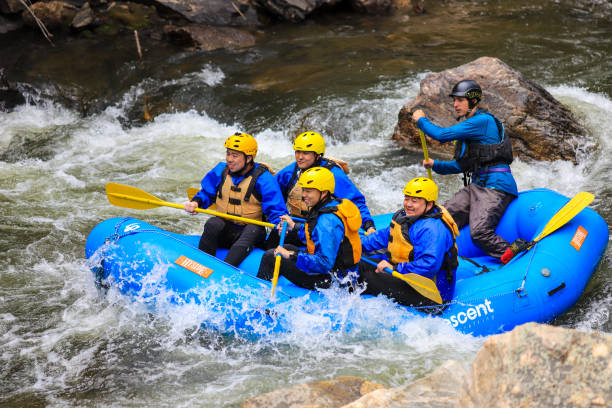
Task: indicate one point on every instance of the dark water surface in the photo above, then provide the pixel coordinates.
(347, 76)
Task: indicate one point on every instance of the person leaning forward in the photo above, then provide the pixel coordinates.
(421, 240)
(240, 187)
(331, 234)
(309, 149)
(483, 154)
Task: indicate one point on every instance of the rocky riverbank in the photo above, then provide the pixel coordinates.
(532, 366)
(207, 25)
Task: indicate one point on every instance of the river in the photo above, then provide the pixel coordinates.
(346, 76)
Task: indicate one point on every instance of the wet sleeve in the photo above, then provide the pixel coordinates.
(283, 178)
(210, 183)
(327, 237)
(430, 239)
(346, 189)
(379, 239)
(272, 202)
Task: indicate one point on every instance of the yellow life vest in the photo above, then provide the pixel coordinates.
(349, 253)
(240, 200)
(400, 248)
(295, 204)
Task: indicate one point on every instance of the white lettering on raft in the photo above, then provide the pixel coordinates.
(471, 313)
(193, 266)
(131, 227)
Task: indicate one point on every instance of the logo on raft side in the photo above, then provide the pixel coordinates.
(471, 313)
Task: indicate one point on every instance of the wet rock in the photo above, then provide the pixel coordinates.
(439, 389)
(9, 24)
(322, 394)
(371, 6)
(539, 126)
(214, 12)
(541, 366)
(11, 6)
(83, 18)
(209, 38)
(131, 15)
(54, 14)
(10, 96)
(294, 10)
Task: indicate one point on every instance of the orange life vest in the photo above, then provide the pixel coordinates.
(349, 253)
(400, 248)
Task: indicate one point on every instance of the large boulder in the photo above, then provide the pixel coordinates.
(209, 38)
(322, 394)
(439, 389)
(532, 366)
(541, 366)
(539, 126)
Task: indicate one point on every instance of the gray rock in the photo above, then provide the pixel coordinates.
(539, 126)
(323, 394)
(209, 38)
(214, 12)
(371, 6)
(83, 17)
(293, 10)
(439, 389)
(541, 366)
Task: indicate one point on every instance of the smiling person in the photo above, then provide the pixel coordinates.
(421, 240)
(240, 187)
(483, 154)
(331, 234)
(309, 148)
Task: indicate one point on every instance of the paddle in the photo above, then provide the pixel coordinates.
(578, 203)
(192, 191)
(132, 197)
(277, 261)
(566, 213)
(421, 284)
(425, 153)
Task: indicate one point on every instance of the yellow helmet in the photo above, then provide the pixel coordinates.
(319, 178)
(309, 142)
(422, 187)
(243, 143)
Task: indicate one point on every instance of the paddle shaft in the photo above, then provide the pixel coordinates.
(425, 153)
(173, 205)
(277, 261)
(192, 191)
(436, 294)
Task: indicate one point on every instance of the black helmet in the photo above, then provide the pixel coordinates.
(468, 89)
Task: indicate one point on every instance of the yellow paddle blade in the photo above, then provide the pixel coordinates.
(566, 213)
(191, 192)
(421, 284)
(131, 197)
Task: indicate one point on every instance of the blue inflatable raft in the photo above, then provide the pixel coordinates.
(143, 261)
